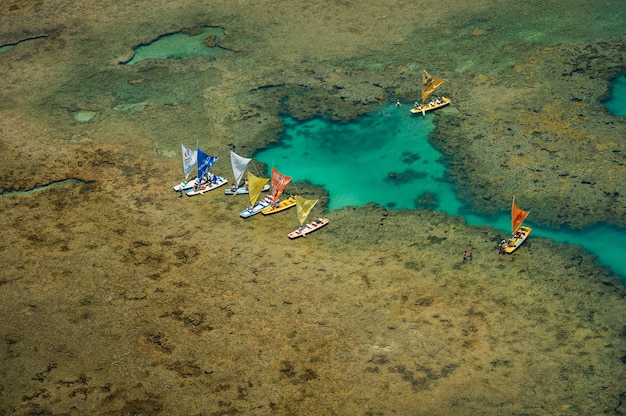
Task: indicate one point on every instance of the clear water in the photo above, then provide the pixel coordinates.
(382, 157)
(385, 157)
(616, 104)
(179, 45)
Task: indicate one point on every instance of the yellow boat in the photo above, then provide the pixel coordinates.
(432, 105)
(429, 85)
(520, 232)
(281, 206)
(279, 183)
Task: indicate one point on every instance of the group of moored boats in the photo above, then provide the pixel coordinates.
(206, 181)
(270, 204)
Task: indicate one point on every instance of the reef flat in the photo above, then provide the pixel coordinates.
(120, 297)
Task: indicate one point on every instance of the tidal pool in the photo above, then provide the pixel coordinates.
(616, 103)
(385, 157)
(181, 45)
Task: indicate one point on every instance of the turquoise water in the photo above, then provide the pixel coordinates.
(385, 157)
(616, 104)
(179, 45)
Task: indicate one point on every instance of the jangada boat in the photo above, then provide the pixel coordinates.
(190, 160)
(304, 207)
(257, 207)
(520, 232)
(429, 85)
(239, 165)
(279, 183)
(255, 187)
(207, 182)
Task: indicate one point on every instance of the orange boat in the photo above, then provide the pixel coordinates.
(520, 232)
(279, 183)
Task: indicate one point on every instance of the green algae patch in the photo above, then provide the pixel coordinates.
(84, 117)
(182, 44)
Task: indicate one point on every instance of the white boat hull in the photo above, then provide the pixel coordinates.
(184, 185)
(258, 207)
(309, 228)
(209, 186)
(243, 191)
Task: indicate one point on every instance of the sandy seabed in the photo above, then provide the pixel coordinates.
(118, 297)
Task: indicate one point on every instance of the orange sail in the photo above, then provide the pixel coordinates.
(518, 216)
(279, 183)
(429, 84)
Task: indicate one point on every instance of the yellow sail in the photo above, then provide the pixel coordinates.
(429, 84)
(518, 216)
(255, 186)
(304, 207)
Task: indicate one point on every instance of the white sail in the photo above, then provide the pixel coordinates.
(239, 164)
(190, 158)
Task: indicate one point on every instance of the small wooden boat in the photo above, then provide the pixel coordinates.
(239, 165)
(255, 185)
(256, 208)
(432, 105)
(190, 160)
(214, 183)
(279, 183)
(242, 190)
(280, 206)
(304, 207)
(315, 225)
(520, 232)
(429, 85)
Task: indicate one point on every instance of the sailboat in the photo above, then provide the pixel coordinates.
(190, 158)
(520, 232)
(239, 165)
(304, 207)
(256, 186)
(205, 181)
(279, 183)
(429, 85)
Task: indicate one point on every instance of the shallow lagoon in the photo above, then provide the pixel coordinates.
(385, 157)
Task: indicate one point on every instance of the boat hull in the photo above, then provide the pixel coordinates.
(258, 207)
(309, 228)
(430, 106)
(282, 205)
(184, 185)
(207, 187)
(243, 191)
(515, 242)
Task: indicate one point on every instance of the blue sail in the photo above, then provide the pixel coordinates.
(205, 162)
